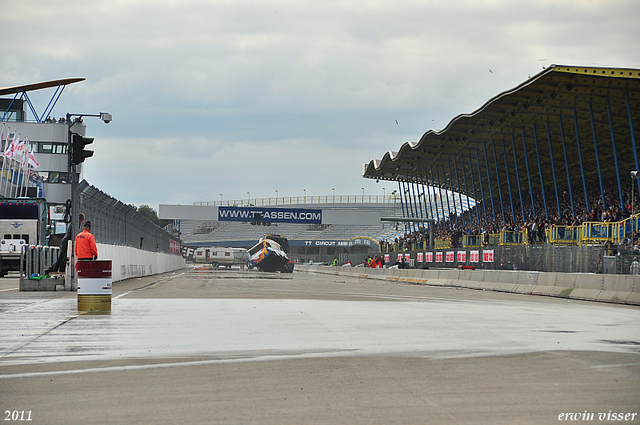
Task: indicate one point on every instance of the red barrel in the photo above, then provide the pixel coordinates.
(94, 286)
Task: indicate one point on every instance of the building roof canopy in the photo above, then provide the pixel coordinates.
(535, 122)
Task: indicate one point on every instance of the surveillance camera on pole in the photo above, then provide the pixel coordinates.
(634, 175)
(105, 117)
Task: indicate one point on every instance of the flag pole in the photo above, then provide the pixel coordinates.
(4, 154)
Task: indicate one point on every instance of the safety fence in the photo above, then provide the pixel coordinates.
(115, 223)
(544, 257)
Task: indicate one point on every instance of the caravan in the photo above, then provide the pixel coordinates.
(217, 256)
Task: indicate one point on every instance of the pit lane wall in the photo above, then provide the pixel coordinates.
(128, 262)
(621, 289)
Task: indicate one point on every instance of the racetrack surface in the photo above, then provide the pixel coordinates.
(201, 346)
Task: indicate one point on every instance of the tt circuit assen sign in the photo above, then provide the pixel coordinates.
(270, 215)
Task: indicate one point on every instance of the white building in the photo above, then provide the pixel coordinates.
(49, 140)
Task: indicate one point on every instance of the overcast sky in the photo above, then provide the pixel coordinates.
(236, 96)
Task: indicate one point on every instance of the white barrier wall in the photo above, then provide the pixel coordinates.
(128, 262)
(622, 289)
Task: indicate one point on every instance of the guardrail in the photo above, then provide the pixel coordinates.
(305, 200)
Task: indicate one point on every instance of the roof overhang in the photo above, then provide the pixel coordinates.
(559, 101)
(38, 86)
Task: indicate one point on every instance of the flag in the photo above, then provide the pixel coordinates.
(25, 153)
(18, 147)
(32, 159)
(7, 147)
(13, 148)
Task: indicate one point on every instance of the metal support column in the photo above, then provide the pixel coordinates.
(486, 163)
(566, 165)
(515, 161)
(633, 137)
(455, 165)
(433, 192)
(595, 145)
(448, 204)
(407, 192)
(484, 203)
(453, 194)
(412, 188)
(446, 216)
(495, 162)
(506, 168)
(428, 193)
(466, 190)
(544, 196)
(402, 204)
(615, 154)
(553, 169)
(473, 185)
(584, 181)
(526, 161)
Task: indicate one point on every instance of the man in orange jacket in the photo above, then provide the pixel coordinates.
(86, 244)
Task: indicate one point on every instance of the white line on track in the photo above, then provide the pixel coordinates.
(164, 365)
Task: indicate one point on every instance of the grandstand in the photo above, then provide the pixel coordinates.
(219, 233)
(210, 232)
(553, 164)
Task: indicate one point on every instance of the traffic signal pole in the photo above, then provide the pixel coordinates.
(73, 157)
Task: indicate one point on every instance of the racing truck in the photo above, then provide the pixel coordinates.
(22, 223)
(271, 254)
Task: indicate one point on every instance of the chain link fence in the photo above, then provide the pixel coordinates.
(624, 259)
(115, 223)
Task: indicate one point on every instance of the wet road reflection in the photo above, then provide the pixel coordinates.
(49, 329)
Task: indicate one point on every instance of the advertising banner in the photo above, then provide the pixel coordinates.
(270, 215)
(487, 256)
(474, 256)
(461, 256)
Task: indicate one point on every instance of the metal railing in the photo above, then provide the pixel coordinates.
(590, 233)
(304, 200)
(35, 259)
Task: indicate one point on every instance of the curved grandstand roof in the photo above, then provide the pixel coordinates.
(532, 118)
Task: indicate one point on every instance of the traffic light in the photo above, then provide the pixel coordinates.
(78, 152)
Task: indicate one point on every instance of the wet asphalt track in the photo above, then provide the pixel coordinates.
(203, 346)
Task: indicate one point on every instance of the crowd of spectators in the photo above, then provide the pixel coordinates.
(537, 219)
(61, 120)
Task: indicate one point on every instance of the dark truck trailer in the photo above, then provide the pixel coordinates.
(22, 223)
